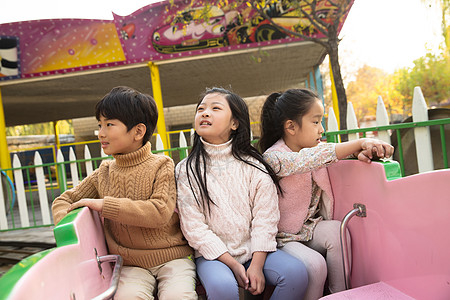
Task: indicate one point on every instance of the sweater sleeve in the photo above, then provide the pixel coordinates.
(306, 160)
(153, 212)
(193, 221)
(86, 189)
(265, 212)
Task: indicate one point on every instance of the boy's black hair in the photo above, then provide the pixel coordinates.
(130, 107)
(241, 147)
(293, 104)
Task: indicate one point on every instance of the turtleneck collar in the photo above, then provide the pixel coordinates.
(134, 158)
(219, 151)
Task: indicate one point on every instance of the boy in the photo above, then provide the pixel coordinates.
(135, 194)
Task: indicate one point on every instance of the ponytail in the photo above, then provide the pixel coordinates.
(271, 123)
(292, 104)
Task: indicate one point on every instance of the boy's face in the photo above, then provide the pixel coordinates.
(115, 138)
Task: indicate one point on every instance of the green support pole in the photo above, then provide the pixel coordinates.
(444, 146)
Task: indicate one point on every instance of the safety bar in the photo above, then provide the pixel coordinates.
(360, 211)
(117, 259)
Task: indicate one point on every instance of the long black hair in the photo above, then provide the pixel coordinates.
(293, 104)
(241, 147)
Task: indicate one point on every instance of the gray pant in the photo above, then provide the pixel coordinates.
(322, 256)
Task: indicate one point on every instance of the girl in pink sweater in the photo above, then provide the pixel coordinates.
(227, 202)
(290, 139)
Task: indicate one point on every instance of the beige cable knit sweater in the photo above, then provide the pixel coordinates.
(139, 195)
(245, 217)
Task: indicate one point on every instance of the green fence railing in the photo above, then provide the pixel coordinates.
(58, 179)
(333, 136)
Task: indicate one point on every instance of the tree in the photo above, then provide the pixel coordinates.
(445, 11)
(315, 16)
(432, 73)
(446, 27)
(65, 127)
(370, 83)
(363, 93)
(318, 21)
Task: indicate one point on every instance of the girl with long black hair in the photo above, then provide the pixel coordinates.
(227, 201)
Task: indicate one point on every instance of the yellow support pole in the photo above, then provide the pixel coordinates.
(334, 97)
(56, 131)
(157, 95)
(5, 159)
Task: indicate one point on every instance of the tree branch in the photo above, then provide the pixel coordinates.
(318, 23)
(294, 33)
(342, 9)
(318, 20)
(332, 3)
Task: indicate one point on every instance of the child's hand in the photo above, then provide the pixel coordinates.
(257, 280)
(363, 156)
(374, 149)
(94, 204)
(241, 275)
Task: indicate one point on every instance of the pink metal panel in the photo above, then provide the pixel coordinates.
(69, 270)
(404, 239)
(375, 291)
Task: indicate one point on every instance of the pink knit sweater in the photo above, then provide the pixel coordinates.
(297, 170)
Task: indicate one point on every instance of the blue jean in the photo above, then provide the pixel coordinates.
(287, 274)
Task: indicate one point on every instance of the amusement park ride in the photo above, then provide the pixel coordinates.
(398, 229)
(398, 225)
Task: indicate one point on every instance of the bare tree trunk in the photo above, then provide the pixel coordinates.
(331, 44)
(338, 82)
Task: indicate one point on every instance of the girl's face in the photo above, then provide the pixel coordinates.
(310, 132)
(214, 120)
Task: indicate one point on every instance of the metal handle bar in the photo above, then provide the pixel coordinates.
(117, 259)
(360, 211)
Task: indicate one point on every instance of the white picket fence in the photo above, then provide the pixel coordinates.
(26, 211)
(421, 134)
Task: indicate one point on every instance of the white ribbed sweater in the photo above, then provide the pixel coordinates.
(245, 217)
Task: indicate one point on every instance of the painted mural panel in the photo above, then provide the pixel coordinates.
(73, 44)
(159, 31)
(192, 28)
(64, 45)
